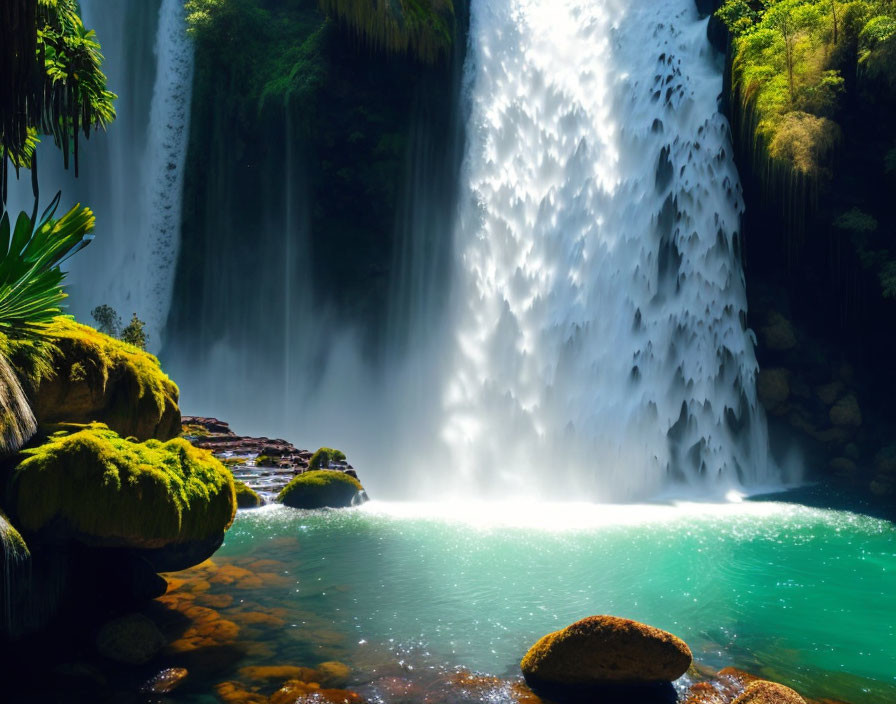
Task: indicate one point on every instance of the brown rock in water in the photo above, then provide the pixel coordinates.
(132, 639)
(773, 387)
(236, 693)
(846, 412)
(294, 691)
(279, 673)
(763, 692)
(606, 650)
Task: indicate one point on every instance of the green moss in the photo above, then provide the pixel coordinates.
(246, 497)
(98, 378)
(423, 28)
(98, 488)
(266, 461)
(320, 489)
(324, 456)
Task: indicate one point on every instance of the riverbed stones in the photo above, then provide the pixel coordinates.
(763, 692)
(606, 650)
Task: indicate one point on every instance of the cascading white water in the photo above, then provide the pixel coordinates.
(601, 342)
(132, 176)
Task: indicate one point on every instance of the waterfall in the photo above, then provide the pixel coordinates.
(132, 176)
(155, 257)
(601, 342)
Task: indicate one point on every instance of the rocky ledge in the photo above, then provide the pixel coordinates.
(264, 466)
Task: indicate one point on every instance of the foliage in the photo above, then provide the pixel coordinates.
(50, 81)
(424, 28)
(107, 320)
(856, 220)
(788, 66)
(30, 256)
(320, 489)
(112, 491)
(324, 456)
(134, 333)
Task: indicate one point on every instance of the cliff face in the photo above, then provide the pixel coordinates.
(312, 131)
(819, 175)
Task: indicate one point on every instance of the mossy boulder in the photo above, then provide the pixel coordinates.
(763, 692)
(171, 501)
(606, 651)
(98, 378)
(324, 455)
(321, 489)
(245, 497)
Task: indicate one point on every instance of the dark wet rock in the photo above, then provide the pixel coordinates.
(601, 651)
(777, 334)
(165, 681)
(846, 412)
(131, 639)
(773, 387)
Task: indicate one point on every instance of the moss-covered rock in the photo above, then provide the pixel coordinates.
(245, 497)
(101, 490)
(762, 692)
(606, 650)
(323, 457)
(321, 489)
(98, 378)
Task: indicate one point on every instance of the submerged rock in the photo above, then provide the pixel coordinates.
(321, 489)
(165, 681)
(170, 501)
(99, 378)
(132, 639)
(763, 692)
(605, 650)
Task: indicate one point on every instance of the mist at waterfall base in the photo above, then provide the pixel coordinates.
(588, 340)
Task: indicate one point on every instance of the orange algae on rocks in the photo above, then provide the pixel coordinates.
(763, 692)
(606, 650)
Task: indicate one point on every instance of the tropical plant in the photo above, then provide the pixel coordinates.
(31, 253)
(50, 81)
